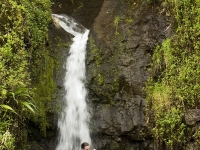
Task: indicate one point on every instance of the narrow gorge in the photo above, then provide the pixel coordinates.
(122, 40)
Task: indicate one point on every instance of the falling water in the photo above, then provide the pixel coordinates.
(73, 123)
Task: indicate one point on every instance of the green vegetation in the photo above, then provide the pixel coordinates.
(26, 68)
(130, 3)
(103, 75)
(27, 65)
(116, 22)
(174, 83)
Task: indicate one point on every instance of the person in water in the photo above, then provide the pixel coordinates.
(85, 146)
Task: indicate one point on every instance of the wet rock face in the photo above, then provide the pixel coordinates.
(122, 40)
(84, 11)
(59, 40)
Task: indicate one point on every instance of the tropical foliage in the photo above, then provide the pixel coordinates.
(24, 63)
(174, 83)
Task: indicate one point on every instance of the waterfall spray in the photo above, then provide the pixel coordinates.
(73, 122)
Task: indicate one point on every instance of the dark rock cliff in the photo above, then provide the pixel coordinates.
(121, 42)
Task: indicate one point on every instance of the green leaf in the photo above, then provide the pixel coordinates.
(26, 95)
(20, 90)
(4, 92)
(28, 105)
(13, 95)
(8, 108)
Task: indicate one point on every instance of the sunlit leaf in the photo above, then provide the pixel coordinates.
(4, 92)
(20, 90)
(28, 105)
(6, 107)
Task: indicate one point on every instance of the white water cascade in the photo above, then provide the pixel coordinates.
(73, 122)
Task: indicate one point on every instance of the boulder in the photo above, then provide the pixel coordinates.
(192, 116)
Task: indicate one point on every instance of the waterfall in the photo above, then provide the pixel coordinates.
(73, 122)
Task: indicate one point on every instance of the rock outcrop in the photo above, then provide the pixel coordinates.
(122, 40)
(192, 116)
(84, 11)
